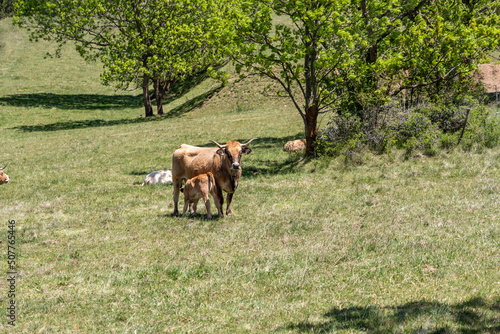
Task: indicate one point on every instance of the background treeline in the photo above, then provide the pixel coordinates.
(371, 66)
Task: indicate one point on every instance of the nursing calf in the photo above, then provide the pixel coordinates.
(199, 187)
(223, 161)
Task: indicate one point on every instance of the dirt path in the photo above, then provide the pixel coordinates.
(490, 76)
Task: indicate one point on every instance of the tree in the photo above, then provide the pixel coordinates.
(139, 42)
(6, 8)
(348, 54)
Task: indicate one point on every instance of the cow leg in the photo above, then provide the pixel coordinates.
(186, 204)
(194, 206)
(177, 189)
(217, 204)
(220, 198)
(207, 205)
(228, 209)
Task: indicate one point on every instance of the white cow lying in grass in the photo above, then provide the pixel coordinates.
(160, 176)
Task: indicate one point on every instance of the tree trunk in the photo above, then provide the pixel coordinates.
(159, 92)
(311, 129)
(312, 98)
(146, 97)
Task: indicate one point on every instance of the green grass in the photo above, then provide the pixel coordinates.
(389, 246)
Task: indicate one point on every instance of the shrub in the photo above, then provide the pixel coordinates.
(425, 128)
(448, 140)
(414, 131)
(447, 117)
(6, 8)
(338, 135)
(481, 131)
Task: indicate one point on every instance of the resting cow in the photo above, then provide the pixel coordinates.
(4, 178)
(295, 145)
(199, 187)
(160, 176)
(223, 161)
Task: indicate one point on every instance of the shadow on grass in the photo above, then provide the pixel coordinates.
(197, 216)
(274, 166)
(180, 88)
(476, 315)
(72, 101)
(101, 102)
(69, 125)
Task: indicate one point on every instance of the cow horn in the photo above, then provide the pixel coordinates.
(3, 167)
(216, 143)
(248, 143)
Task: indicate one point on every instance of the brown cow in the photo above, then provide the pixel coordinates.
(295, 145)
(4, 178)
(223, 161)
(199, 187)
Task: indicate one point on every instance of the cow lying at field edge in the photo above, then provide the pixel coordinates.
(295, 145)
(199, 187)
(160, 176)
(223, 161)
(4, 178)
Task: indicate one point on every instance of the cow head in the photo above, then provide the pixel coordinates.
(232, 152)
(4, 178)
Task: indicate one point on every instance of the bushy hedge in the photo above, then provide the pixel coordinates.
(6, 8)
(425, 129)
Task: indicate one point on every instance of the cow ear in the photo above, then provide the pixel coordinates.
(220, 151)
(246, 150)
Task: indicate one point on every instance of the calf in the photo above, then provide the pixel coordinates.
(4, 178)
(199, 187)
(223, 161)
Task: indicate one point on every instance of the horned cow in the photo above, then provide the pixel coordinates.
(199, 187)
(223, 161)
(4, 178)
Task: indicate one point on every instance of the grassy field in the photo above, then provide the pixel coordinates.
(391, 246)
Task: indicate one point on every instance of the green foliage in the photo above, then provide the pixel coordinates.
(425, 128)
(165, 41)
(342, 134)
(448, 140)
(482, 130)
(350, 56)
(6, 8)
(178, 38)
(415, 131)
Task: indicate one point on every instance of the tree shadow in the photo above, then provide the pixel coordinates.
(72, 101)
(193, 103)
(274, 166)
(475, 315)
(179, 88)
(92, 123)
(268, 167)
